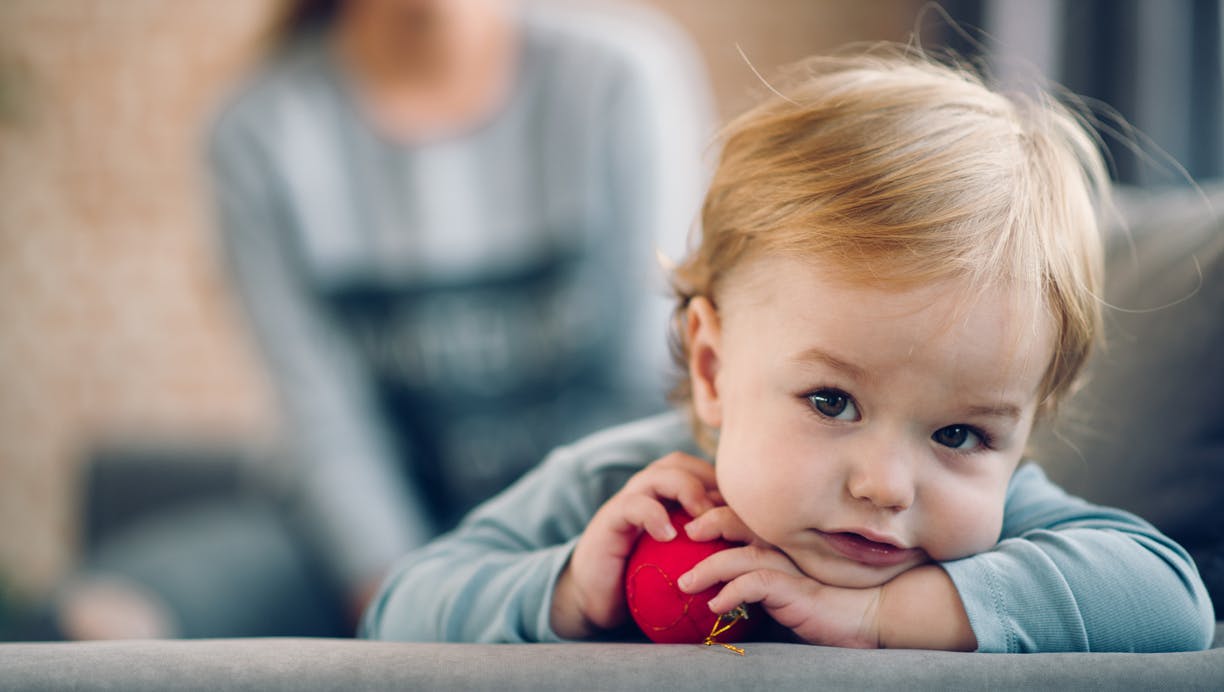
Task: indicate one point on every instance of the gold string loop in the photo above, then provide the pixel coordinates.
(724, 623)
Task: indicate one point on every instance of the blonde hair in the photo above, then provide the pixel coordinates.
(906, 170)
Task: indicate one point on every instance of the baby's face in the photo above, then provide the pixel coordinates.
(865, 431)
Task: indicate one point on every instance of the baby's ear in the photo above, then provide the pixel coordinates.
(705, 349)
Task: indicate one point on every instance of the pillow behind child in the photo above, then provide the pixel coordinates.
(1146, 433)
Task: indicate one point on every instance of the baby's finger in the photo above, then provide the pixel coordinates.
(700, 468)
(720, 522)
(770, 588)
(672, 483)
(647, 513)
(727, 565)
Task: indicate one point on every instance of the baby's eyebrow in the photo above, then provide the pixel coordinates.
(1004, 410)
(821, 356)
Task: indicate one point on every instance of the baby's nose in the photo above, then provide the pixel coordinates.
(885, 480)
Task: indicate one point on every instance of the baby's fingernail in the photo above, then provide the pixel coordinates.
(669, 532)
(688, 528)
(685, 581)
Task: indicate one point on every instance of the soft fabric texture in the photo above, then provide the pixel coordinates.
(335, 664)
(1065, 576)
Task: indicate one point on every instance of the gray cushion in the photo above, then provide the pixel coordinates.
(1147, 432)
(307, 664)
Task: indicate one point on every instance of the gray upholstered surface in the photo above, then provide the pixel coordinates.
(1146, 433)
(319, 664)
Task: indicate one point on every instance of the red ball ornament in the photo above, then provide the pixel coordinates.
(664, 613)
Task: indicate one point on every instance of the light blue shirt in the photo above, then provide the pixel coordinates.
(437, 315)
(1065, 575)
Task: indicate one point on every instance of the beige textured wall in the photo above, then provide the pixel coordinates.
(776, 32)
(115, 323)
(113, 318)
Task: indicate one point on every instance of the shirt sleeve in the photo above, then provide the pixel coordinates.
(659, 122)
(1071, 576)
(491, 580)
(352, 499)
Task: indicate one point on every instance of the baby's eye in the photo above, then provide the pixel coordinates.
(959, 437)
(835, 404)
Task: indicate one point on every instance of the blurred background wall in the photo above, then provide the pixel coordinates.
(115, 322)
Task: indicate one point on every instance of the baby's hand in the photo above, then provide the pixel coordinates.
(590, 593)
(759, 573)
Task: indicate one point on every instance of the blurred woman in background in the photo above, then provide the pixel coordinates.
(442, 217)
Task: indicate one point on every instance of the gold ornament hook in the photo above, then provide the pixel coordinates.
(724, 623)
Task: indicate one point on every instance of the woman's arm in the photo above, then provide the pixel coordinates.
(656, 127)
(354, 499)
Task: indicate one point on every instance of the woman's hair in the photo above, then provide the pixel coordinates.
(294, 19)
(903, 170)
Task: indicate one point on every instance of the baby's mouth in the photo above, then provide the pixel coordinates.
(859, 548)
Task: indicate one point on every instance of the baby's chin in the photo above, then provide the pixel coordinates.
(848, 575)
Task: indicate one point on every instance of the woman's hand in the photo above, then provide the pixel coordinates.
(590, 593)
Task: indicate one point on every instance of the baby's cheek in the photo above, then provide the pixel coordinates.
(965, 533)
(743, 494)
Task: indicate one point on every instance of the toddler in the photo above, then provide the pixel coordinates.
(898, 272)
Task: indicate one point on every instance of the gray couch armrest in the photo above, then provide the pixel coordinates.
(309, 664)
